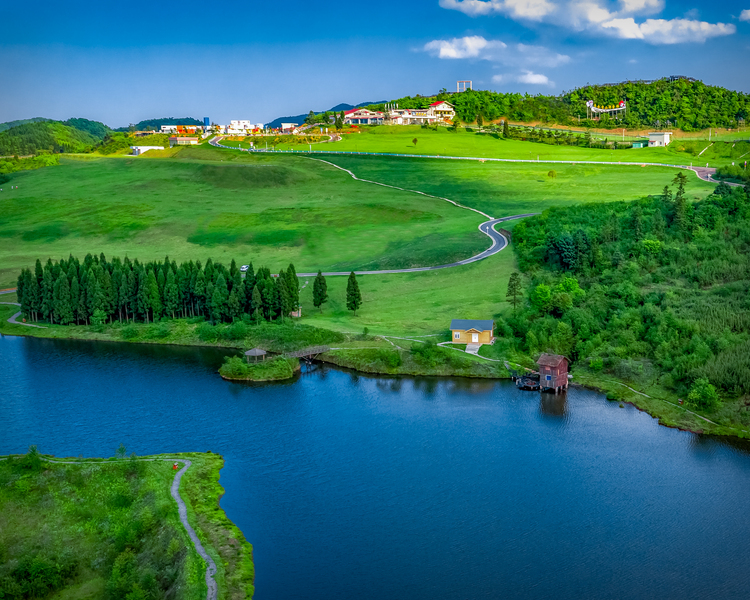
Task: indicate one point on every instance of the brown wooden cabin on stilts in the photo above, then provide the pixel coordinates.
(553, 372)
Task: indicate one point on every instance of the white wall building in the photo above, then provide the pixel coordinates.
(437, 112)
(138, 150)
(288, 126)
(659, 139)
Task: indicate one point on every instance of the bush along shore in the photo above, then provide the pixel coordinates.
(117, 529)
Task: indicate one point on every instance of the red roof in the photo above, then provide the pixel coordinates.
(441, 102)
(550, 360)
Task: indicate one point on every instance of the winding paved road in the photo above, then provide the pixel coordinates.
(212, 590)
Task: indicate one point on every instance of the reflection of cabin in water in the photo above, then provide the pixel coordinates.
(553, 372)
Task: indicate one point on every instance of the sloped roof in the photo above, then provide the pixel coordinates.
(255, 352)
(441, 102)
(550, 360)
(479, 325)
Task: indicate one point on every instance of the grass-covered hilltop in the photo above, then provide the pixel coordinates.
(109, 528)
(631, 264)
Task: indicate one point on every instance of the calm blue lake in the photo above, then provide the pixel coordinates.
(354, 487)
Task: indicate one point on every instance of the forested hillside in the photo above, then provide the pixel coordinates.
(688, 105)
(74, 135)
(654, 292)
(9, 124)
(155, 124)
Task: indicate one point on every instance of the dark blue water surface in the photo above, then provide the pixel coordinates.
(359, 487)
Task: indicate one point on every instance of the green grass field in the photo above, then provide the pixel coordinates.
(273, 209)
(444, 142)
(265, 209)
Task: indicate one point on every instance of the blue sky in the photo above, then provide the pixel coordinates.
(124, 62)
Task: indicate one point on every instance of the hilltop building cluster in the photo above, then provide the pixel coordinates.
(437, 112)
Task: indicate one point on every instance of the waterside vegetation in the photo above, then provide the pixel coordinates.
(110, 529)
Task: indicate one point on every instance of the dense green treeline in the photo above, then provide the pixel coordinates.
(74, 135)
(734, 172)
(688, 105)
(115, 142)
(656, 290)
(98, 291)
(554, 137)
(13, 165)
(155, 124)
(9, 124)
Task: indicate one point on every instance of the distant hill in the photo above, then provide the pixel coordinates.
(671, 102)
(9, 124)
(155, 124)
(299, 119)
(73, 135)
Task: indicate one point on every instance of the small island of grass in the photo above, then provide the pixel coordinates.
(272, 369)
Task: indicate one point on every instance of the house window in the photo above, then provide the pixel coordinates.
(549, 377)
(457, 335)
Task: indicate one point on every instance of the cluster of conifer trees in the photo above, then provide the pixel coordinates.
(97, 290)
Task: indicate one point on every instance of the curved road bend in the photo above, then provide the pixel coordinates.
(499, 242)
(211, 593)
(14, 317)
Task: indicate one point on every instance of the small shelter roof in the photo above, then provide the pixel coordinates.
(255, 352)
(550, 360)
(478, 324)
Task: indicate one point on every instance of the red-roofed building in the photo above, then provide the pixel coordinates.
(362, 116)
(442, 110)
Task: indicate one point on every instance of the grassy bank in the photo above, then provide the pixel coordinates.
(404, 357)
(110, 528)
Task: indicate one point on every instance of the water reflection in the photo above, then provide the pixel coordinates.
(553, 405)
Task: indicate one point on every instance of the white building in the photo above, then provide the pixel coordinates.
(437, 112)
(138, 150)
(288, 126)
(362, 116)
(181, 128)
(183, 141)
(659, 139)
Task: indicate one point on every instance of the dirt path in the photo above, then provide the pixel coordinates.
(211, 594)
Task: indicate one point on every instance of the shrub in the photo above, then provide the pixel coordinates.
(390, 359)
(129, 332)
(552, 174)
(704, 395)
(206, 332)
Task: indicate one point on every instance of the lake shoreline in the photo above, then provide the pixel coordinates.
(370, 361)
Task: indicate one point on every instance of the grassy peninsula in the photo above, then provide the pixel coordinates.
(110, 528)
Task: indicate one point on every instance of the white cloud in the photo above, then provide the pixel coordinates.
(475, 46)
(528, 77)
(674, 31)
(601, 17)
(535, 78)
(745, 15)
(466, 47)
(534, 10)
